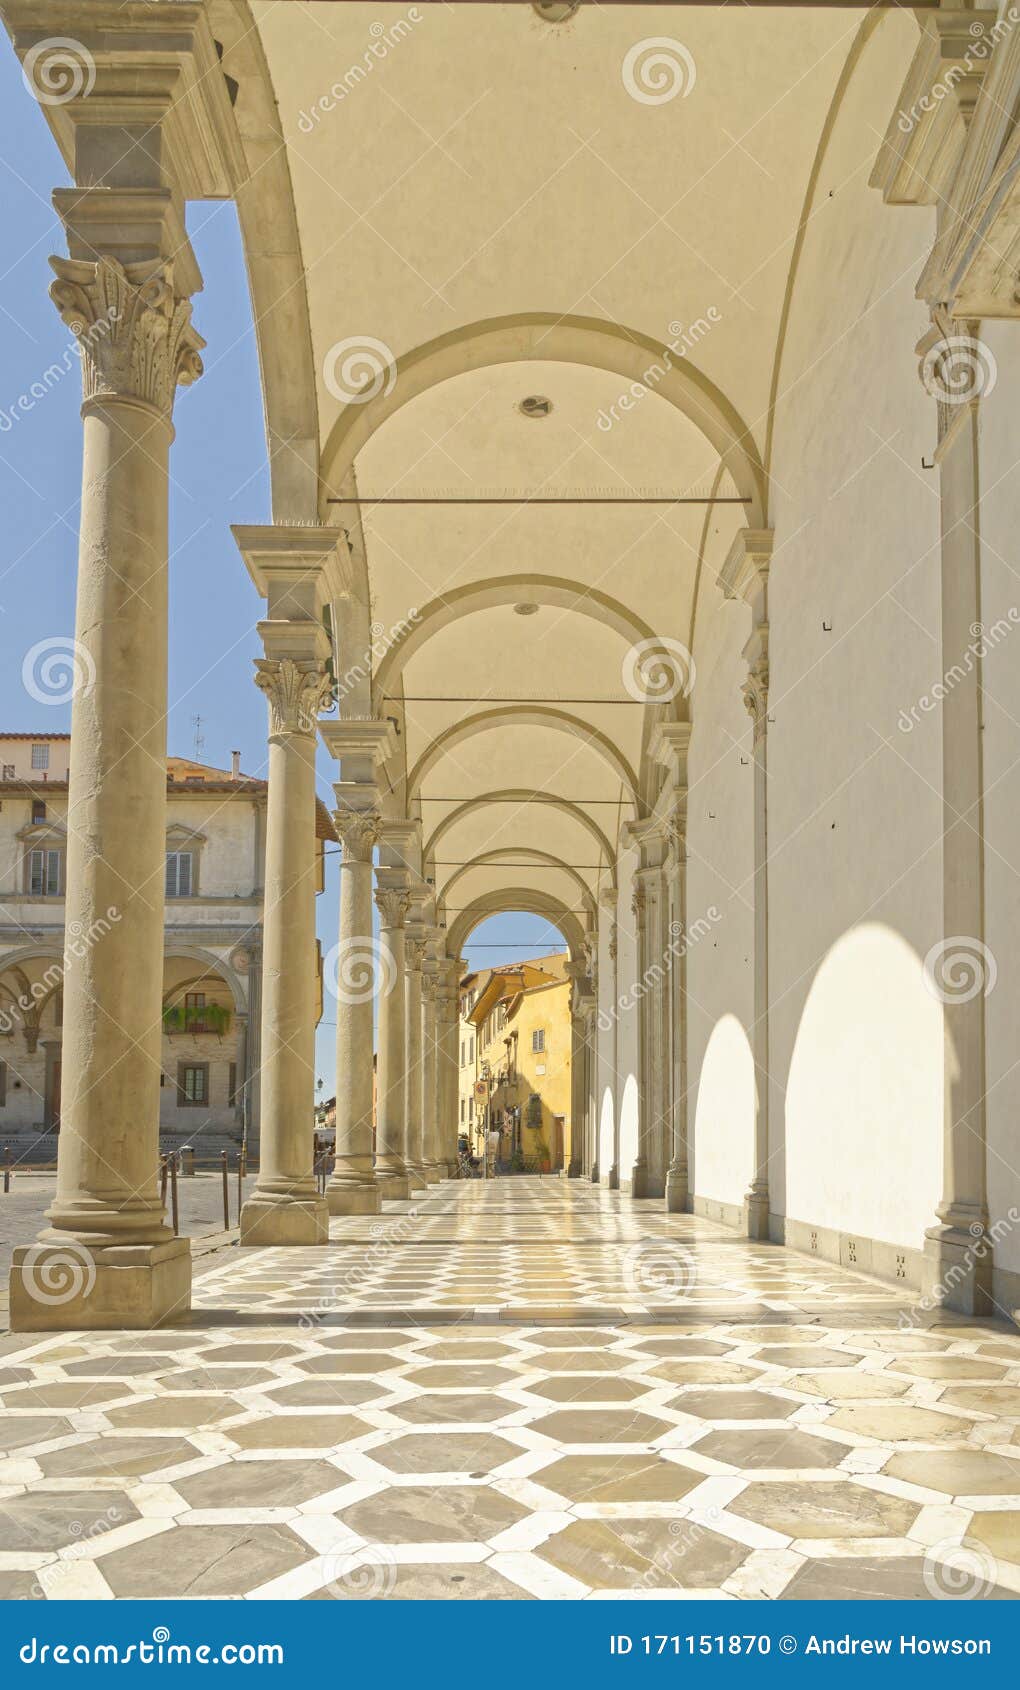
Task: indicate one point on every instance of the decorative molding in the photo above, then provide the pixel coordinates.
(920, 154)
(296, 690)
(755, 693)
(745, 574)
(135, 332)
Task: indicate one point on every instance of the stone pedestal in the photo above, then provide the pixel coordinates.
(61, 1286)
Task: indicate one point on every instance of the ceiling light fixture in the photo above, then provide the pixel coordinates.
(525, 609)
(535, 405)
(555, 11)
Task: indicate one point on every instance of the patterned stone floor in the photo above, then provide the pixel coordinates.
(529, 1389)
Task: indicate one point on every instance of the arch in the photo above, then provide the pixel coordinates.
(486, 857)
(507, 715)
(562, 339)
(213, 965)
(526, 898)
(476, 596)
(513, 795)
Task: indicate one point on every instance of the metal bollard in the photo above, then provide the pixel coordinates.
(226, 1191)
(7, 1167)
(240, 1185)
(174, 1210)
(163, 1177)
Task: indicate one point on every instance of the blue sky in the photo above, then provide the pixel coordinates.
(219, 476)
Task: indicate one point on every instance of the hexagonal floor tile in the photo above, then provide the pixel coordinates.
(705, 1372)
(578, 1387)
(997, 1532)
(425, 1581)
(329, 1393)
(601, 1426)
(70, 1393)
(218, 1379)
(433, 1514)
(350, 1361)
(698, 1348)
(618, 1478)
(467, 1349)
(825, 1509)
(894, 1423)
(120, 1458)
(583, 1361)
(958, 1472)
(187, 1412)
(209, 1561)
(733, 1405)
(805, 1355)
(260, 1484)
(24, 1431)
(985, 1399)
(432, 1409)
(463, 1376)
(55, 1519)
(116, 1367)
(633, 1554)
(445, 1452)
(891, 1578)
(259, 1353)
(788, 1448)
(845, 1386)
(299, 1431)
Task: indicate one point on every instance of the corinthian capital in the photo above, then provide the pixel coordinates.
(134, 331)
(296, 690)
(358, 831)
(414, 954)
(393, 903)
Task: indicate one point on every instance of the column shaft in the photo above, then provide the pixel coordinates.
(391, 1079)
(353, 1188)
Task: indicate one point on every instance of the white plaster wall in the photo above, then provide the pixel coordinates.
(854, 808)
(1000, 598)
(720, 964)
(228, 855)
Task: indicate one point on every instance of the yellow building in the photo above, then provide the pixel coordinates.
(519, 1019)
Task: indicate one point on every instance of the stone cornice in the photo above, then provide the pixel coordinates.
(921, 151)
(296, 567)
(745, 573)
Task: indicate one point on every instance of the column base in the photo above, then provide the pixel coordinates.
(957, 1270)
(416, 1180)
(613, 1182)
(72, 1287)
(354, 1199)
(266, 1221)
(678, 1197)
(756, 1216)
(393, 1188)
(434, 1172)
(595, 1180)
(574, 1169)
(643, 1183)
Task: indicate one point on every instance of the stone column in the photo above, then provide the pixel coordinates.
(432, 1163)
(648, 1176)
(393, 899)
(678, 1173)
(608, 993)
(285, 1207)
(745, 575)
(958, 1266)
(353, 1188)
(414, 1156)
(107, 1258)
(448, 996)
